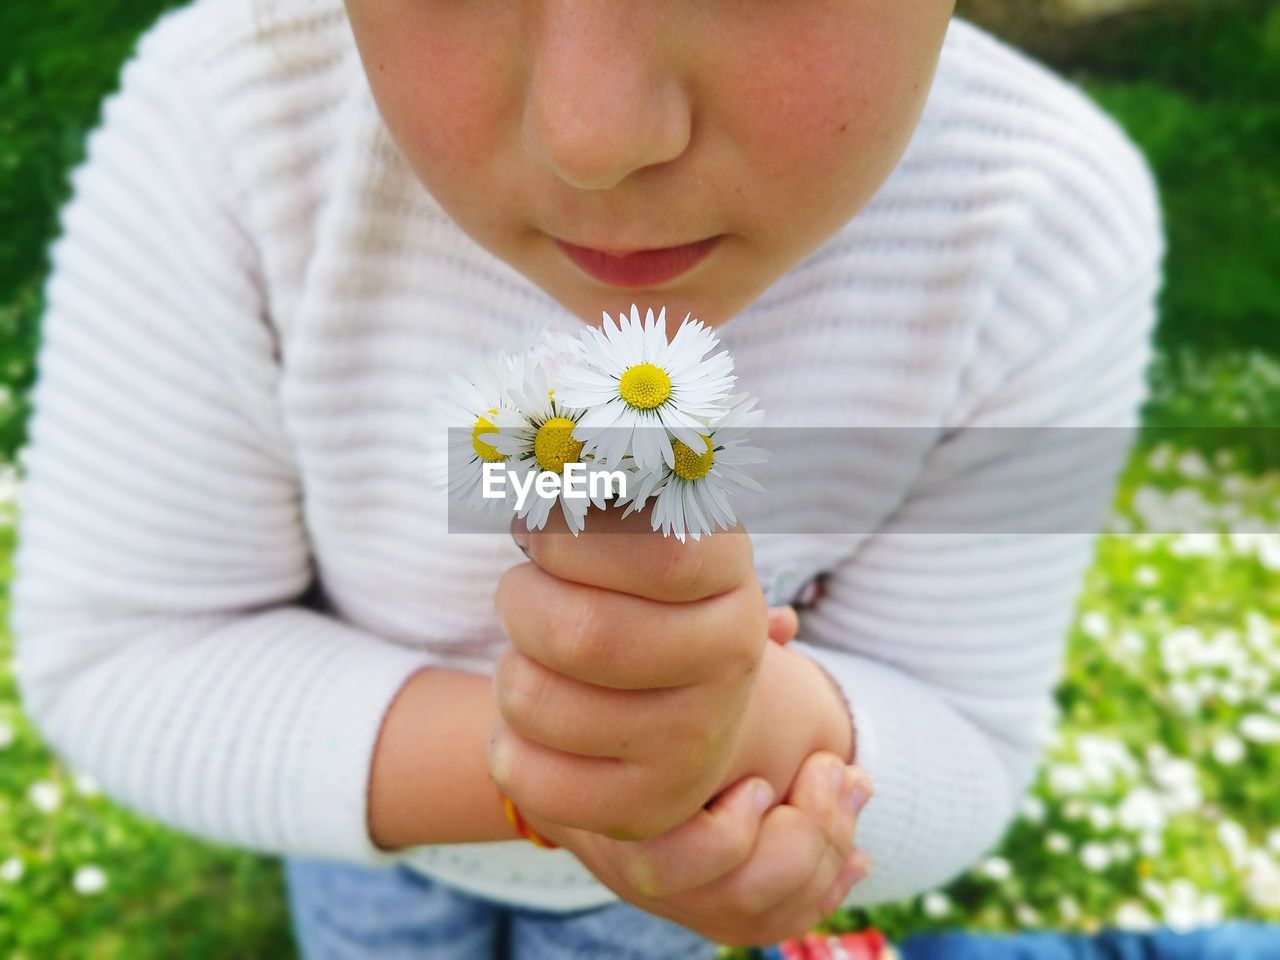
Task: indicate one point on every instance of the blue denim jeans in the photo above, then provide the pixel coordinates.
(345, 911)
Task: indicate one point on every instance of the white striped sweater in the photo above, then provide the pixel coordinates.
(250, 305)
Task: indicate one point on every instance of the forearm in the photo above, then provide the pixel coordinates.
(430, 780)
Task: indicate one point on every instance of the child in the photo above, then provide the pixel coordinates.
(295, 222)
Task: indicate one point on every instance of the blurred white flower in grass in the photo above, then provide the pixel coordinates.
(1205, 686)
(1141, 811)
(89, 880)
(1183, 905)
(7, 734)
(1118, 523)
(1258, 631)
(1146, 575)
(1028, 917)
(1151, 844)
(935, 904)
(1180, 649)
(1095, 625)
(1257, 679)
(1199, 544)
(1103, 759)
(1272, 705)
(1179, 782)
(1100, 817)
(1265, 547)
(1192, 466)
(1131, 643)
(11, 870)
(1228, 750)
(1235, 841)
(1066, 779)
(995, 868)
(1231, 693)
(1183, 510)
(1121, 851)
(1095, 856)
(1074, 810)
(1273, 839)
(1262, 881)
(1184, 697)
(1133, 916)
(1068, 908)
(1160, 458)
(1057, 842)
(1032, 809)
(86, 785)
(45, 796)
(1260, 728)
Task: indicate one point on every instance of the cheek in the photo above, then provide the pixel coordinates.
(440, 87)
(834, 108)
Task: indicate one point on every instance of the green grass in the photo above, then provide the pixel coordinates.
(166, 895)
(1196, 90)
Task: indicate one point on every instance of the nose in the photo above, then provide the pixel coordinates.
(604, 97)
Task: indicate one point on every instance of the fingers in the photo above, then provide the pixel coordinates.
(566, 714)
(784, 623)
(708, 845)
(833, 793)
(550, 784)
(616, 640)
(789, 852)
(804, 861)
(856, 868)
(626, 556)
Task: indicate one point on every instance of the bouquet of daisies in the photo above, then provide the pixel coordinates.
(620, 415)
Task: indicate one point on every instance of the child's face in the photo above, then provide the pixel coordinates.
(634, 124)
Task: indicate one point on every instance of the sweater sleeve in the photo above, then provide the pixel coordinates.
(162, 642)
(946, 629)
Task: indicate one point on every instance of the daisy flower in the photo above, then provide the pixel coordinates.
(631, 377)
(535, 435)
(692, 493)
(468, 406)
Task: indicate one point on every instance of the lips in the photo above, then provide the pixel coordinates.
(640, 268)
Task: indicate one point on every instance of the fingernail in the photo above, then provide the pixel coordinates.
(520, 534)
(853, 870)
(499, 761)
(858, 799)
(762, 796)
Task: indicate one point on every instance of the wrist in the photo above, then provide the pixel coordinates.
(796, 710)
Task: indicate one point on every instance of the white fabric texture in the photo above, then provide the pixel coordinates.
(252, 302)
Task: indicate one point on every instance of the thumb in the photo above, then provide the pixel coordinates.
(710, 844)
(783, 623)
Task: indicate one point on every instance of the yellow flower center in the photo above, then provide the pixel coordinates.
(645, 386)
(486, 451)
(554, 445)
(689, 465)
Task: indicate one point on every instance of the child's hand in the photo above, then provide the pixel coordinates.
(631, 668)
(737, 877)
